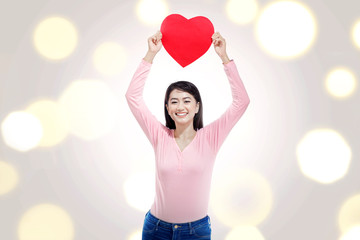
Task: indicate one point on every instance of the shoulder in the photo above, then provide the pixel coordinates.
(202, 131)
(167, 131)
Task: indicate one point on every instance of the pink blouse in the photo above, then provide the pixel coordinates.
(183, 178)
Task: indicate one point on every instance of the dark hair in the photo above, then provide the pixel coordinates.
(192, 89)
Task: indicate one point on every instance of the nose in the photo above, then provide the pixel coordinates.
(180, 107)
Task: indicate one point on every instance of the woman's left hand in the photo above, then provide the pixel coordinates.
(220, 47)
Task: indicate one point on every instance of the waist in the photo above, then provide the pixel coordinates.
(187, 225)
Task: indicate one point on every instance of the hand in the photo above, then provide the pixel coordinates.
(220, 47)
(154, 42)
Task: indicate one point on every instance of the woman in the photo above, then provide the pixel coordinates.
(185, 151)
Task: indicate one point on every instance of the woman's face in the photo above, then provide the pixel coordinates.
(182, 107)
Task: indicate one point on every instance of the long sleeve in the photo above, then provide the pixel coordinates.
(218, 130)
(134, 96)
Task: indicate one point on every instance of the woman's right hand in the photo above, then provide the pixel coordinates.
(155, 44)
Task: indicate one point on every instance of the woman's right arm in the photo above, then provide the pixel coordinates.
(134, 95)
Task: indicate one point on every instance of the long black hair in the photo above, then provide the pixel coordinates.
(189, 88)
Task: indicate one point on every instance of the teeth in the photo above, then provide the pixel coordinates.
(182, 114)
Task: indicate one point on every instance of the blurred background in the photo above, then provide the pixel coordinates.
(75, 164)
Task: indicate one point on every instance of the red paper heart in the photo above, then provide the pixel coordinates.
(186, 39)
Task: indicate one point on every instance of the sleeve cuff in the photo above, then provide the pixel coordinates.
(229, 64)
(145, 63)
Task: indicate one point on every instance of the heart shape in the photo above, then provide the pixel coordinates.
(186, 40)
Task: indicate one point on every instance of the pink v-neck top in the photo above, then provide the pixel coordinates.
(183, 178)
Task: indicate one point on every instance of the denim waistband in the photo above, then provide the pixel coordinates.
(188, 225)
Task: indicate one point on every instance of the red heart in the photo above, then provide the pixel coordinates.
(186, 39)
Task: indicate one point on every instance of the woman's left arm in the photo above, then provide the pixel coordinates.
(220, 128)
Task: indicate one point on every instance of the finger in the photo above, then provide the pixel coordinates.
(158, 35)
(154, 41)
(215, 35)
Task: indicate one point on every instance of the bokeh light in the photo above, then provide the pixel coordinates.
(286, 29)
(152, 12)
(9, 177)
(136, 235)
(244, 232)
(46, 221)
(349, 214)
(139, 190)
(356, 34)
(323, 155)
(340, 83)
(352, 234)
(53, 120)
(21, 131)
(109, 58)
(91, 107)
(241, 197)
(55, 38)
(242, 11)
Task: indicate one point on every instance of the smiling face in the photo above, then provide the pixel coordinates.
(182, 107)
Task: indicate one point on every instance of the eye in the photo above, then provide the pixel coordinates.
(187, 101)
(173, 102)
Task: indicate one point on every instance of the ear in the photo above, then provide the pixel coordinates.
(197, 107)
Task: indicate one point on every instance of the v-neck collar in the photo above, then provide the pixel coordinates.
(186, 147)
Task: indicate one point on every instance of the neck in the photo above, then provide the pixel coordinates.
(184, 131)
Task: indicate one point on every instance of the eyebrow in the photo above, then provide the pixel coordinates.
(177, 99)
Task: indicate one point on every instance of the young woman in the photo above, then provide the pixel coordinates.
(185, 151)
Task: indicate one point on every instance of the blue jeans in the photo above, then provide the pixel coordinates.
(156, 229)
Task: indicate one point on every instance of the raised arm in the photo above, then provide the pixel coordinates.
(218, 130)
(134, 95)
